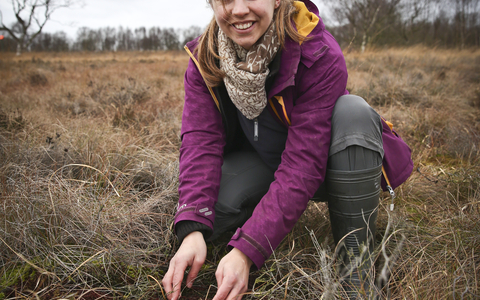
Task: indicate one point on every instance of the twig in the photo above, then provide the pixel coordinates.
(286, 287)
(83, 263)
(431, 180)
(159, 285)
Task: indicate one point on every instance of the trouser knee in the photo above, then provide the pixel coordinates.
(355, 123)
(356, 111)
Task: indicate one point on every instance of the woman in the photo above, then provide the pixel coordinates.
(267, 126)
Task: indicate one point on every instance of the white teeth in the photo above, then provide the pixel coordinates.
(243, 26)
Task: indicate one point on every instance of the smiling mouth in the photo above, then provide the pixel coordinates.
(243, 26)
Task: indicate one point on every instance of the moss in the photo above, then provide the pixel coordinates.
(97, 263)
(133, 271)
(16, 275)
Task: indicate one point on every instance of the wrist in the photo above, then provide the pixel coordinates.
(184, 228)
(245, 258)
(194, 235)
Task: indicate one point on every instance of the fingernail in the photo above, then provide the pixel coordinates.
(189, 285)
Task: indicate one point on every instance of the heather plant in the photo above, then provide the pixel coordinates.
(89, 165)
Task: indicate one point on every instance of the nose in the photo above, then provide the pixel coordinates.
(240, 8)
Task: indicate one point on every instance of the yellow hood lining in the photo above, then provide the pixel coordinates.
(305, 20)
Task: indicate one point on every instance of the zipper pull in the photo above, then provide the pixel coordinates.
(392, 193)
(255, 129)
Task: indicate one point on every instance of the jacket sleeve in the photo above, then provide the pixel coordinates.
(304, 159)
(203, 140)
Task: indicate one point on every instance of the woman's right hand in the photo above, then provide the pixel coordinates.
(192, 253)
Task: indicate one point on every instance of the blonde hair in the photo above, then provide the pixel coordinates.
(207, 47)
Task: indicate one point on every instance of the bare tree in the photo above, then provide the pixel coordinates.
(413, 11)
(466, 18)
(365, 15)
(171, 39)
(191, 33)
(31, 16)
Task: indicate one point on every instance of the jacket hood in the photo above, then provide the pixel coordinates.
(306, 19)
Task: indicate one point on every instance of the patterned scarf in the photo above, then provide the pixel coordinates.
(246, 71)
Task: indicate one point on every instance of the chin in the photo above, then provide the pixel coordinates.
(246, 44)
(247, 47)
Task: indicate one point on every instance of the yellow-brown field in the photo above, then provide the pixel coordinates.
(89, 165)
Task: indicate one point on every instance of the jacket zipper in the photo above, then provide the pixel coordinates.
(255, 129)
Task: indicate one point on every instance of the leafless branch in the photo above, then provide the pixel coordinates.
(27, 16)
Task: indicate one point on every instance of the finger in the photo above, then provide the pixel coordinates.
(219, 276)
(167, 279)
(177, 279)
(192, 274)
(238, 288)
(237, 292)
(223, 290)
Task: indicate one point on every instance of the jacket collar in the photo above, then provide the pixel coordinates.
(309, 24)
(192, 45)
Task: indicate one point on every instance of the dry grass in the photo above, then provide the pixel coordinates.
(88, 150)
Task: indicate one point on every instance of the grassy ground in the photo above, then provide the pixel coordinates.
(88, 174)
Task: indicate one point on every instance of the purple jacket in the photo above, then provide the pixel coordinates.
(312, 76)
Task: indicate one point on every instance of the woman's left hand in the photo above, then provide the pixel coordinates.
(232, 275)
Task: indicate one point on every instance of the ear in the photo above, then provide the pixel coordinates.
(277, 3)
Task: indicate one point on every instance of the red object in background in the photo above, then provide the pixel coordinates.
(1, 37)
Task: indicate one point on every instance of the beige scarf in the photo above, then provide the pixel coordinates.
(246, 71)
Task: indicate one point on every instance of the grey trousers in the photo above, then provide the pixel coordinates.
(356, 145)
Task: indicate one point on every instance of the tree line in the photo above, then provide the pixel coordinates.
(109, 39)
(439, 23)
(354, 23)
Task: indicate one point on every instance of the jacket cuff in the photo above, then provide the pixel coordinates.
(250, 247)
(196, 212)
(184, 228)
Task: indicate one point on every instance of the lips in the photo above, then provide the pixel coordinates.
(243, 26)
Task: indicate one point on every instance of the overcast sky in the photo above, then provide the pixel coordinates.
(128, 13)
(95, 14)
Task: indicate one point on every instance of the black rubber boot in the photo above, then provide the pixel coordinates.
(353, 198)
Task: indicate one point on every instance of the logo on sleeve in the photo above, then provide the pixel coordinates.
(181, 207)
(205, 211)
